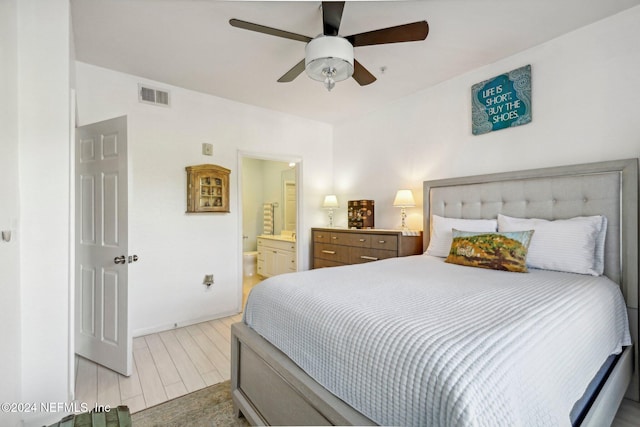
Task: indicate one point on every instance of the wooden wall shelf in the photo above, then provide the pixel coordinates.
(207, 189)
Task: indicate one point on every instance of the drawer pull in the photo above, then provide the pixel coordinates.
(363, 240)
(334, 237)
(324, 251)
(382, 241)
(370, 258)
(319, 236)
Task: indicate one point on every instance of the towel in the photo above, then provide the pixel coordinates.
(267, 218)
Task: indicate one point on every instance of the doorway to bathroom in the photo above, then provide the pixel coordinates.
(269, 190)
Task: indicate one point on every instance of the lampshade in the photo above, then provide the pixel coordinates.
(404, 199)
(330, 201)
(329, 59)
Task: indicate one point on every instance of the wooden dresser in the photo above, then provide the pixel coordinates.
(335, 246)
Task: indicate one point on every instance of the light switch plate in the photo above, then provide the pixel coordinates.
(207, 149)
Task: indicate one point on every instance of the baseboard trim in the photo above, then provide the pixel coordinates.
(180, 324)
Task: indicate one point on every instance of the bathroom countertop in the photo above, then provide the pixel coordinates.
(277, 237)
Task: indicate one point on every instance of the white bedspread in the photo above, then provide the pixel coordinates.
(417, 342)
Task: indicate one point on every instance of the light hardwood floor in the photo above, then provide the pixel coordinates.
(165, 365)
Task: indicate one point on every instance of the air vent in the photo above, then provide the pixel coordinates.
(150, 95)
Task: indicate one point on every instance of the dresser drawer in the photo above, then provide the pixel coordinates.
(384, 241)
(321, 237)
(360, 255)
(337, 238)
(358, 240)
(322, 263)
(330, 252)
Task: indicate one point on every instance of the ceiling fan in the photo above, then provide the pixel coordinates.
(329, 56)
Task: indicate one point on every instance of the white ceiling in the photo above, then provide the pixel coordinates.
(190, 44)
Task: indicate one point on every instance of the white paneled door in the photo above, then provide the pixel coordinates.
(102, 259)
(290, 206)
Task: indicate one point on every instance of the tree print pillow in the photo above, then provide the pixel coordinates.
(498, 251)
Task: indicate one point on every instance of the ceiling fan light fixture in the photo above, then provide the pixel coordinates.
(329, 59)
(329, 83)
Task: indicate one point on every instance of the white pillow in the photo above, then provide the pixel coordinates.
(441, 235)
(575, 245)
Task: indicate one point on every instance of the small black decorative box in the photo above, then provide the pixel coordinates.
(361, 213)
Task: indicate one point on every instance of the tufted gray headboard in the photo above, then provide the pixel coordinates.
(603, 188)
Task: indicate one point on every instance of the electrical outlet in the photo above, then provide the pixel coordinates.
(207, 149)
(208, 279)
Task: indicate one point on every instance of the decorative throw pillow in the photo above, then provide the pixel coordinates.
(574, 245)
(440, 236)
(498, 251)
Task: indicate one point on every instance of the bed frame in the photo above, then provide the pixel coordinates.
(269, 389)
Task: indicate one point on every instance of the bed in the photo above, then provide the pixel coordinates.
(270, 387)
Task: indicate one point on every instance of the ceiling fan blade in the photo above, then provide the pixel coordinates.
(331, 17)
(290, 75)
(402, 33)
(268, 30)
(361, 74)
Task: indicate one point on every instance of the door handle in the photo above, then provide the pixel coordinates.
(120, 259)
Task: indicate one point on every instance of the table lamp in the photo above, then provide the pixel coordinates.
(404, 199)
(330, 203)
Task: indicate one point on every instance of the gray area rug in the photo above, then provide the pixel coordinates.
(209, 407)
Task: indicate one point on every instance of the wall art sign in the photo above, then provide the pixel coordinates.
(502, 101)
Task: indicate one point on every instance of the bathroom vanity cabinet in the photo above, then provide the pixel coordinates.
(207, 188)
(276, 256)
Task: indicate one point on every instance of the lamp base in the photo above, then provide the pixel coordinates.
(403, 213)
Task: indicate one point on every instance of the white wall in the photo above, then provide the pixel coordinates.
(585, 93)
(10, 390)
(43, 176)
(176, 250)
